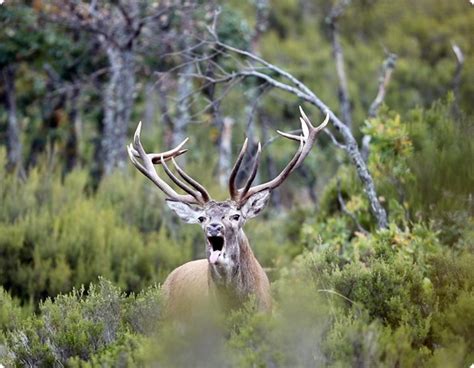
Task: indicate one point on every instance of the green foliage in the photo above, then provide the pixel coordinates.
(444, 175)
(19, 40)
(11, 313)
(419, 165)
(233, 28)
(100, 326)
(54, 236)
(404, 300)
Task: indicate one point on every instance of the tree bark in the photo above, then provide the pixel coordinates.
(53, 109)
(168, 123)
(344, 98)
(118, 101)
(338, 55)
(184, 93)
(74, 129)
(253, 93)
(150, 103)
(14, 146)
(185, 82)
(225, 151)
(385, 75)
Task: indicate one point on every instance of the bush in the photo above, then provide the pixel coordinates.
(405, 300)
(102, 325)
(55, 235)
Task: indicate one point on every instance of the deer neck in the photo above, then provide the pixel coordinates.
(238, 280)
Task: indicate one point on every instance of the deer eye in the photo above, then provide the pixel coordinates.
(235, 217)
(201, 219)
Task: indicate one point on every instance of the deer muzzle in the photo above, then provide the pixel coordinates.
(216, 246)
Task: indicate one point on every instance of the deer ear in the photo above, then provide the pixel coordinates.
(185, 211)
(255, 204)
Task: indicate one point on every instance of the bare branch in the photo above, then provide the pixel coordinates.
(299, 89)
(386, 73)
(334, 140)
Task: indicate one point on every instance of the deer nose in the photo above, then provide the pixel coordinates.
(215, 228)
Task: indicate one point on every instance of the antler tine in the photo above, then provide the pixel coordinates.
(306, 142)
(272, 184)
(146, 166)
(253, 173)
(234, 192)
(311, 133)
(178, 182)
(167, 155)
(204, 193)
(290, 136)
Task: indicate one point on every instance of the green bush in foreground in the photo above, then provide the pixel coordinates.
(383, 309)
(102, 325)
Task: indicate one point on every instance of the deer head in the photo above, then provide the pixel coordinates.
(221, 221)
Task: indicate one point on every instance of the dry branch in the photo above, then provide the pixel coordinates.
(250, 65)
(298, 88)
(384, 79)
(338, 54)
(385, 75)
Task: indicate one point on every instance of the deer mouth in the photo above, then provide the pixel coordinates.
(216, 244)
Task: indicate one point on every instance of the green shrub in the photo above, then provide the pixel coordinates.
(382, 309)
(102, 325)
(11, 314)
(442, 191)
(55, 235)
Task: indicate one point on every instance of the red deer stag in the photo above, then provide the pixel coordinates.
(231, 273)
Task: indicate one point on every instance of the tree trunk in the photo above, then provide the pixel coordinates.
(225, 151)
(343, 92)
(165, 113)
(74, 129)
(185, 80)
(118, 101)
(254, 92)
(184, 92)
(150, 103)
(53, 116)
(14, 146)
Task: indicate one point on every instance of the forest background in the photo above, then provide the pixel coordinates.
(369, 245)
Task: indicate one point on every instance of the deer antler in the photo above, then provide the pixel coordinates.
(198, 195)
(309, 133)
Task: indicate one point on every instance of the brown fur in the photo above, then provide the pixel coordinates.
(193, 288)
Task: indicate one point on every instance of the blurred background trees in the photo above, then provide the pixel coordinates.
(77, 76)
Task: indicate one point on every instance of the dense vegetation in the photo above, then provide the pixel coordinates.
(83, 251)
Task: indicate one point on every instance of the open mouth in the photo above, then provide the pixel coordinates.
(217, 244)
